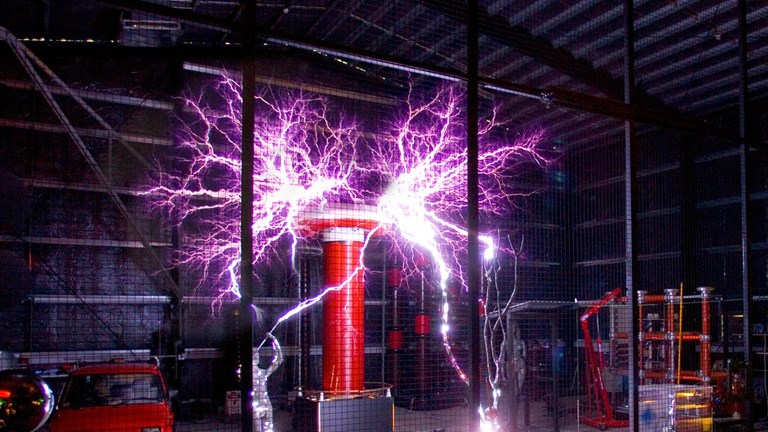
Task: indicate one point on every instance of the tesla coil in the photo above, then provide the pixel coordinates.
(344, 403)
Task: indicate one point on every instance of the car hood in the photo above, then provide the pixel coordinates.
(116, 418)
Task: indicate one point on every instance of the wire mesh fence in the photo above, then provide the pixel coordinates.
(122, 155)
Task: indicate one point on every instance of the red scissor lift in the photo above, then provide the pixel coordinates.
(599, 398)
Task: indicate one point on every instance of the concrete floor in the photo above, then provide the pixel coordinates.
(447, 420)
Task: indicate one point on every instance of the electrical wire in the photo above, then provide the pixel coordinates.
(680, 333)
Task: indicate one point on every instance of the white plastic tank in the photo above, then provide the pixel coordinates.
(671, 407)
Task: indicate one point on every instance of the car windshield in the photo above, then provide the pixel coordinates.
(111, 389)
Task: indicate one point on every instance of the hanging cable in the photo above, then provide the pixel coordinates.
(679, 332)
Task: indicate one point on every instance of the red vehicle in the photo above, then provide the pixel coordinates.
(120, 397)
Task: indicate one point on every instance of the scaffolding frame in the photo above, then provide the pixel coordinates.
(667, 338)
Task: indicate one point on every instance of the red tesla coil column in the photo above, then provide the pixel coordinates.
(343, 230)
(343, 311)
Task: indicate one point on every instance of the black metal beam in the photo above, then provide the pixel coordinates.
(208, 21)
(746, 256)
(632, 112)
(608, 107)
(520, 39)
(640, 113)
(246, 219)
(473, 218)
(631, 204)
(186, 16)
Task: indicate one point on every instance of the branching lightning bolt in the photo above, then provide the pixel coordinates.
(304, 160)
(427, 164)
(301, 160)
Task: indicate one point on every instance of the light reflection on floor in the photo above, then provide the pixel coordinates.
(447, 420)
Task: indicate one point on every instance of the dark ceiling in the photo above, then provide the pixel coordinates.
(563, 60)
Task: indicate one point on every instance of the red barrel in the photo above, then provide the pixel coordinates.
(343, 312)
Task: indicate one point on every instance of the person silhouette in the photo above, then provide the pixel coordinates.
(516, 365)
(262, 407)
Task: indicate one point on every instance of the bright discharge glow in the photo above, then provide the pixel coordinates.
(500, 337)
(308, 158)
(426, 161)
(301, 160)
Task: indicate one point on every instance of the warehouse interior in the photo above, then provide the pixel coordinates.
(402, 215)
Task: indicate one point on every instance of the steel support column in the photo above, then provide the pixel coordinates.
(746, 272)
(473, 253)
(26, 59)
(687, 218)
(631, 205)
(246, 218)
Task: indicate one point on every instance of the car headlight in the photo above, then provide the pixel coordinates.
(151, 429)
